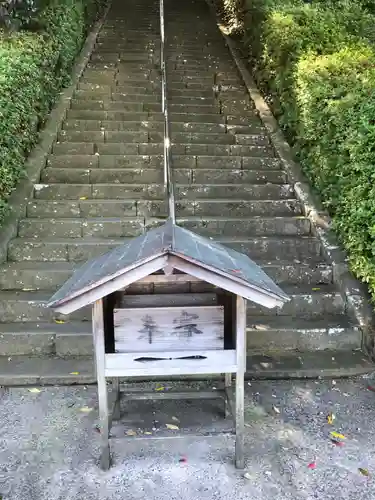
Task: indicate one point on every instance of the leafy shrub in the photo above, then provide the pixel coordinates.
(316, 63)
(33, 68)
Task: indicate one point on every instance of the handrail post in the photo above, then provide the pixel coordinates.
(168, 181)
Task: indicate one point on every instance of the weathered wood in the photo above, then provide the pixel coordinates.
(227, 384)
(183, 395)
(116, 399)
(166, 300)
(230, 404)
(246, 291)
(169, 328)
(98, 333)
(122, 280)
(173, 278)
(124, 365)
(240, 376)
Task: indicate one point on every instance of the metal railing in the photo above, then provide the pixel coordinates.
(168, 180)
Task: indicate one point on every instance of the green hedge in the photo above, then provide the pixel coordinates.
(34, 66)
(316, 64)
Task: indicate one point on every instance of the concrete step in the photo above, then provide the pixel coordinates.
(52, 370)
(98, 191)
(149, 175)
(306, 302)
(116, 227)
(81, 228)
(60, 250)
(153, 208)
(30, 275)
(254, 226)
(236, 163)
(154, 136)
(84, 125)
(279, 334)
(184, 192)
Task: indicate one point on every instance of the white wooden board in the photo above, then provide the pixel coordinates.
(125, 365)
(169, 328)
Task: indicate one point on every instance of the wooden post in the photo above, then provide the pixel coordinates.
(98, 332)
(227, 388)
(116, 396)
(240, 376)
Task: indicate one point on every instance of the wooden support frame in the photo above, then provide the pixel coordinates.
(240, 380)
(98, 331)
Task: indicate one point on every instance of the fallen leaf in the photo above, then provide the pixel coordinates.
(275, 409)
(175, 419)
(337, 435)
(183, 460)
(315, 289)
(83, 198)
(34, 390)
(337, 443)
(148, 433)
(330, 418)
(130, 433)
(364, 472)
(59, 321)
(74, 373)
(159, 389)
(265, 365)
(172, 427)
(85, 409)
(312, 465)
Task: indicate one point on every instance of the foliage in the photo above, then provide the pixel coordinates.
(316, 63)
(34, 65)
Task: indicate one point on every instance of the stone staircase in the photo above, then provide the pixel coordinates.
(103, 183)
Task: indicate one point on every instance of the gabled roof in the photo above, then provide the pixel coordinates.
(168, 239)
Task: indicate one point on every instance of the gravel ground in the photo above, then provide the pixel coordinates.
(49, 448)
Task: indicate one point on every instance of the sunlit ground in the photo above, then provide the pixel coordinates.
(49, 447)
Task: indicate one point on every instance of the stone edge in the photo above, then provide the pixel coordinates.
(36, 161)
(354, 292)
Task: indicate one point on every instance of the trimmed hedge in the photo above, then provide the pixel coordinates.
(34, 66)
(316, 64)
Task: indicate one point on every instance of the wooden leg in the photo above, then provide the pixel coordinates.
(98, 330)
(240, 380)
(240, 422)
(227, 385)
(116, 395)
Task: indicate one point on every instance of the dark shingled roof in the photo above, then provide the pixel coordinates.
(166, 239)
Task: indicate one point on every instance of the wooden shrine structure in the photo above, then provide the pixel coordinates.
(179, 339)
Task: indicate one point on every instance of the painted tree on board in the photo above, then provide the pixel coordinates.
(149, 328)
(186, 325)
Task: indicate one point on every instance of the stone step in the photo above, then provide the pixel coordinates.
(146, 174)
(284, 333)
(123, 116)
(280, 334)
(52, 370)
(144, 136)
(133, 226)
(98, 191)
(80, 228)
(154, 208)
(120, 148)
(155, 191)
(305, 302)
(60, 250)
(29, 275)
(82, 125)
(76, 161)
(255, 226)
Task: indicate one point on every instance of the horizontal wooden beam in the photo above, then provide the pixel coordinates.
(173, 278)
